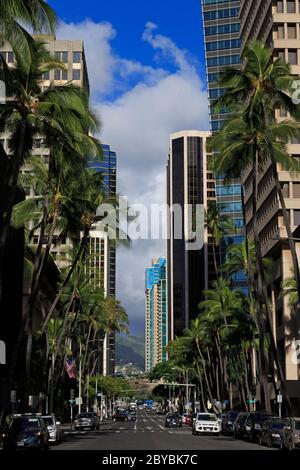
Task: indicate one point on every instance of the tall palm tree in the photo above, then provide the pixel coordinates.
(243, 139)
(16, 15)
(218, 226)
(60, 114)
(264, 85)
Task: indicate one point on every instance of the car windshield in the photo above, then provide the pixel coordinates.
(20, 424)
(173, 416)
(48, 420)
(206, 417)
(297, 425)
(262, 417)
(86, 415)
(278, 425)
(232, 415)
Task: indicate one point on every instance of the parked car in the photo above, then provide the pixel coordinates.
(121, 415)
(291, 434)
(228, 422)
(185, 418)
(87, 420)
(173, 420)
(54, 428)
(26, 432)
(132, 415)
(206, 423)
(254, 424)
(272, 432)
(192, 418)
(239, 425)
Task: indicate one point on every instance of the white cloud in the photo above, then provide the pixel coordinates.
(137, 125)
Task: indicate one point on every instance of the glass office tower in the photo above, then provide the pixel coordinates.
(107, 165)
(156, 314)
(222, 48)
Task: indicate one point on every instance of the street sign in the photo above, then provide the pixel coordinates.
(72, 402)
(13, 396)
(78, 401)
(252, 402)
(279, 398)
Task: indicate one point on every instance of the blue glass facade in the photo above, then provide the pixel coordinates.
(108, 166)
(222, 48)
(156, 313)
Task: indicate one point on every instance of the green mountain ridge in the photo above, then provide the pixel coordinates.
(130, 349)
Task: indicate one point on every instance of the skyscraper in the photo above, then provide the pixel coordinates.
(156, 314)
(277, 23)
(222, 47)
(188, 186)
(107, 165)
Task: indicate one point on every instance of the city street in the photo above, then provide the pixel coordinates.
(149, 433)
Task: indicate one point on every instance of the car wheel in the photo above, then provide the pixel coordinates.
(269, 442)
(281, 445)
(252, 437)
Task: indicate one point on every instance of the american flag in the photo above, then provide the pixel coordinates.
(70, 368)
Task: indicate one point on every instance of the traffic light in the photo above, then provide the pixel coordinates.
(72, 394)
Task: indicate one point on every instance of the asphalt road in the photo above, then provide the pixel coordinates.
(148, 433)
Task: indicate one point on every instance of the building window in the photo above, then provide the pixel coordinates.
(56, 74)
(280, 32)
(286, 190)
(292, 32)
(76, 74)
(46, 75)
(293, 57)
(76, 57)
(280, 7)
(296, 192)
(291, 6)
(62, 56)
(64, 75)
(10, 57)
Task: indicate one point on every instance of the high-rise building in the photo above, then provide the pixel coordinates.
(277, 23)
(189, 186)
(156, 314)
(107, 165)
(222, 48)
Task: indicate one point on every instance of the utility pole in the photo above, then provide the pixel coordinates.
(80, 373)
(186, 390)
(87, 393)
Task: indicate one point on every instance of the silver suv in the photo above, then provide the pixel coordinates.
(54, 428)
(87, 420)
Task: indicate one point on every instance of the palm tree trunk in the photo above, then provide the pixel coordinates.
(205, 372)
(68, 277)
(261, 280)
(201, 388)
(11, 198)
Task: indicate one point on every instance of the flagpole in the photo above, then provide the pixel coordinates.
(79, 393)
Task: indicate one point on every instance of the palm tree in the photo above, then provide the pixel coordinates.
(15, 16)
(243, 140)
(60, 114)
(218, 226)
(264, 85)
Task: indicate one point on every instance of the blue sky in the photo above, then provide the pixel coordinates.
(178, 19)
(146, 68)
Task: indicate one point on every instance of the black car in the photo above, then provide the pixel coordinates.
(173, 420)
(121, 415)
(239, 425)
(26, 432)
(228, 422)
(254, 424)
(272, 432)
(132, 415)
